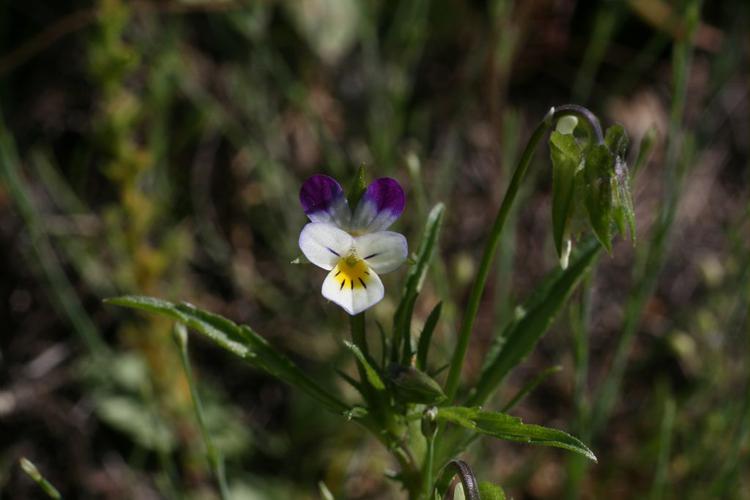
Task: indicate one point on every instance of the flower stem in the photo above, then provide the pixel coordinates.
(357, 326)
(595, 132)
(427, 467)
(380, 421)
(357, 323)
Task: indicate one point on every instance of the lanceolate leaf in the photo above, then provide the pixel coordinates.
(239, 340)
(414, 280)
(372, 374)
(504, 426)
(220, 330)
(566, 157)
(418, 272)
(423, 346)
(520, 336)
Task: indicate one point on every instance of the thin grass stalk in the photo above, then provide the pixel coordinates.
(580, 318)
(665, 448)
(606, 23)
(580, 326)
(213, 455)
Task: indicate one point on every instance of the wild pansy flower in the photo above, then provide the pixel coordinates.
(354, 247)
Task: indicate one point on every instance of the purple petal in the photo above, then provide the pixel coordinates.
(381, 204)
(323, 200)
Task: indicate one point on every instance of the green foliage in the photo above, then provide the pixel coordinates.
(594, 176)
(181, 113)
(414, 281)
(509, 428)
(617, 140)
(520, 336)
(598, 172)
(373, 377)
(425, 338)
(504, 426)
(239, 340)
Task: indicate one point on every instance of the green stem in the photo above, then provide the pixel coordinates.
(490, 248)
(579, 325)
(428, 466)
(580, 315)
(214, 456)
(665, 447)
(357, 323)
(380, 423)
(370, 394)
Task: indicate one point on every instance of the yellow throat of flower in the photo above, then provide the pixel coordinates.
(352, 272)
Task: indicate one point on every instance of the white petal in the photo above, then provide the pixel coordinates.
(324, 244)
(383, 251)
(353, 296)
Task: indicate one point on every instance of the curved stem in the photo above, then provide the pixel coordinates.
(591, 122)
(595, 132)
(461, 469)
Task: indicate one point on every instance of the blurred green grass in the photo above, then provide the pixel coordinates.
(158, 147)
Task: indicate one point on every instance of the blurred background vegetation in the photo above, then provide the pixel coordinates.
(157, 147)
